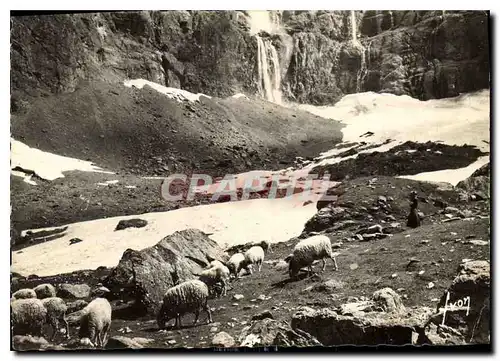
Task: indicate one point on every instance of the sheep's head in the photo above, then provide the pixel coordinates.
(293, 267)
(266, 246)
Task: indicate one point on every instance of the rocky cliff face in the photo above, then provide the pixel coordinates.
(323, 54)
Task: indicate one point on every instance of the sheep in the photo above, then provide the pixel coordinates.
(235, 262)
(307, 251)
(28, 316)
(56, 311)
(188, 297)
(217, 274)
(255, 255)
(45, 290)
(24, 293)
(95, 321)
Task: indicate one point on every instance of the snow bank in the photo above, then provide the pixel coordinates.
(173, 93)
(46, 165)
(239, 95)
(452, 176)
(231, 223)
(454, 121)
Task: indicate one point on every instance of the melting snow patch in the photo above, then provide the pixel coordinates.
(26, 177)
(107, 183)
(46, 165)
(452, 176)
(239, 95)
(173, 93)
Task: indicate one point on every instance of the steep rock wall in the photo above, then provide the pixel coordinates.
(425, 54)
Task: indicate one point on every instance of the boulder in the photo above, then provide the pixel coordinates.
(223, 339)
(144, 276)
(269, 332)
(470, 287)
(263, 315)
(325, 218)
(129, 223)
(29, 343)
(363, 327)
(73, 291)
(388, 300)
(122, 342)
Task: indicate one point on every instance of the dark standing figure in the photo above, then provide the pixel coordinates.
(413, 218)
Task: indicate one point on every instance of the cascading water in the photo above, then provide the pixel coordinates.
(391, 16)
(269, 78)
(363, 68)
(354, 32)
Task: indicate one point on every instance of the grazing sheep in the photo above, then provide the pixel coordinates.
(27, 316)
(187, 297)
(307, 251)
(95, 321)
(218, 274)
(235, 262)
(56, 311)
(24, 293)
(45, 290)
(255, 255)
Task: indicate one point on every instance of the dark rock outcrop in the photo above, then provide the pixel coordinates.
(381, 320)
(472, 286)
(73, 291)
(478, 184)
(144, 276)
(269, 332)
(425, 54)
(128, 223)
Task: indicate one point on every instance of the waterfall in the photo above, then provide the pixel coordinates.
(269, 78)
(365, 59)
(353, 26)
(392, 19)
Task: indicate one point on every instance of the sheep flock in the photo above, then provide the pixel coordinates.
(32, 309)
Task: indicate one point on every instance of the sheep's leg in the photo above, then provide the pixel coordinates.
(106, 332)
(196, 315)
(55, 327)
(260, 265)
(67, 327)
(92, 335)
(224, 291)
(324, 264)
(180, 321)
(335, 263)
(207, 310)
(310, 270)
(99, 338)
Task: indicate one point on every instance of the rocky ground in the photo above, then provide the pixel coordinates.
(418, 264)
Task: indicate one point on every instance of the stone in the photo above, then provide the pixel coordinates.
(123, 342)
(73, 291)
(477, 242)
(144, 276)
(131, 223)
(238, 297)
(362, 326)
(223, 339)
(269, 332)
(29, 343)
(329, 286)
(263, 315)
(388, 300)
(472, 282)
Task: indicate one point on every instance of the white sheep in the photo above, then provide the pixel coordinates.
(56, 312)
(45, 290)
(24, 293)
(235, 263)
(217, 274)
(28, 316)
(188, 297)
(255, 255)
(307, 251)
(95, 321)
